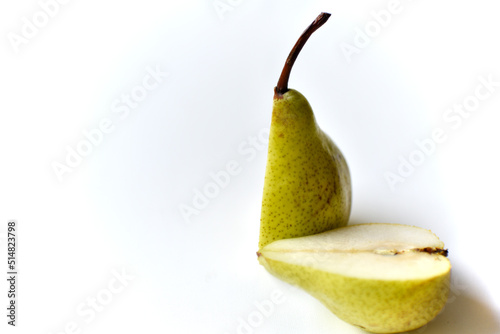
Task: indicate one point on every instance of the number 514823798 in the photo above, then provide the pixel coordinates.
(11, 245)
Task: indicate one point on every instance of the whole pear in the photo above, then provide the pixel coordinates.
(307, 186)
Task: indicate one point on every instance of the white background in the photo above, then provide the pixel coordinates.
(118, 211)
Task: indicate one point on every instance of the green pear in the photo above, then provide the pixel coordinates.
(307, 186)
(384, 278)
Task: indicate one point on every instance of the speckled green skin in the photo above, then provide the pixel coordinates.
(307, 187)
(378, 306)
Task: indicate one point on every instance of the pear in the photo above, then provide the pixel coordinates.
(384, 278)
(307, 186)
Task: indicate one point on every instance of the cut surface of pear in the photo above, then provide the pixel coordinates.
(384, 278)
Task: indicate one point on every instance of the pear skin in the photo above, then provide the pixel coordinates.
(307, 186)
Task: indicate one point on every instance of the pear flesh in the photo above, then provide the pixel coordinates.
(384, 278)
(307, 186)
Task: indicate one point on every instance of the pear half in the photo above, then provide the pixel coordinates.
(384, 278)
(307, 186)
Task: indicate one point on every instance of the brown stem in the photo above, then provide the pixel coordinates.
(282, 86)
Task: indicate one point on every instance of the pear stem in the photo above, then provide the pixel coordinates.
(282, 86)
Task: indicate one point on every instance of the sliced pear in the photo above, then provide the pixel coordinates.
(384, 278)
